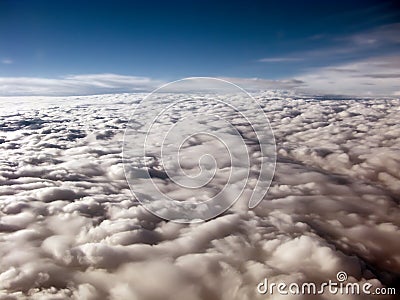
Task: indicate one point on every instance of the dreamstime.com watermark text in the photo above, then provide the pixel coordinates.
(332, 287)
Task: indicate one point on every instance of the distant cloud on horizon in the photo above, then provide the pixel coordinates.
(376, 76)
(84, 84)
(369, 77)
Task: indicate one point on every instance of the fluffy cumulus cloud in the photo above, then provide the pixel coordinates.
(71, 229)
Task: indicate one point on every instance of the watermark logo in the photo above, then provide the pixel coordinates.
(338, 287)
(341, 276)
(194, 147)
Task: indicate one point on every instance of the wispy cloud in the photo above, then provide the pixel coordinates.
(89, 84)
(372, 76)
(75, 85)
(381, 40)
(7, 61)
(365, 63)
(381, 76)
(279, 59)
(259, 84)
(376, 76)
(380, 36)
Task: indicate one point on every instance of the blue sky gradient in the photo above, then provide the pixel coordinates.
(169, 40)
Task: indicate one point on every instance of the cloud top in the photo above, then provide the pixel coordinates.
(70, 228)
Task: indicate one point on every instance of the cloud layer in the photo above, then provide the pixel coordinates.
(70, 228)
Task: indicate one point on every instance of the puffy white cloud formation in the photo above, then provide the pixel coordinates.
(70, 228)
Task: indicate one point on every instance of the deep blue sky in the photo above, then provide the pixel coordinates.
(173, 39)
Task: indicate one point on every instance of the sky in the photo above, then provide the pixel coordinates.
(58, 47)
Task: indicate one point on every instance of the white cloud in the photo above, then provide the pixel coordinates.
(75, 85)
(259, 84)
(378, 39)
(378, 76)
(108, 83)
(368, 75)
(373, 76)
(379, 36)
